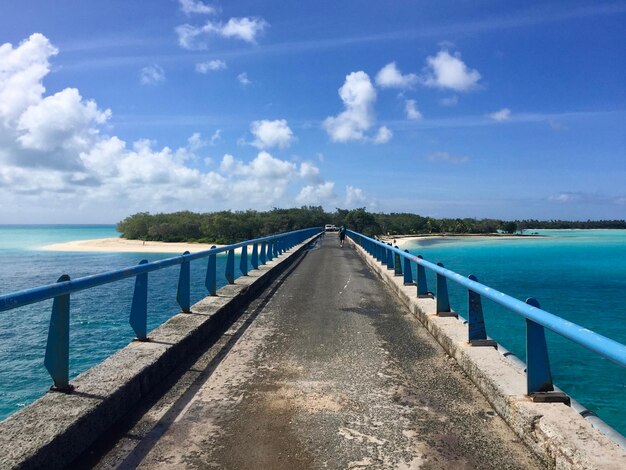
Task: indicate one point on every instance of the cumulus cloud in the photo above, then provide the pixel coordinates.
(500, 116)
(152, 75)
(410, 108)
(447, 158)
(390, 77)
(318, 194)
(448, 71)
(383, 135)
(271, 134)
(210, 66)
(358, 96)
(56, 163)
(355, 197)
(243, 79)
(195, 37)
(309, 171)
(190, 7)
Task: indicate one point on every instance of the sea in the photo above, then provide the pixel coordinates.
(579, 275)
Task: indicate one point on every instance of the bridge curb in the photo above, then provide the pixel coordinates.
(57, 428)
(556, 433)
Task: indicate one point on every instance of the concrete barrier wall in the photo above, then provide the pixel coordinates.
(58, 427)
(556, 433)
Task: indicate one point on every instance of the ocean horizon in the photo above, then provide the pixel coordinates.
(575, 274)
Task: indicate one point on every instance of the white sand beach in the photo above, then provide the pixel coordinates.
(122, 245)
(402, 241)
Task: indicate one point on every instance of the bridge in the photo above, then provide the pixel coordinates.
(316, 356)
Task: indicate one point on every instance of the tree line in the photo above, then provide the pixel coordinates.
(232, 226)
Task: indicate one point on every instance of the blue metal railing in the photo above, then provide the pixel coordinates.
(538, 374)
(57, 349)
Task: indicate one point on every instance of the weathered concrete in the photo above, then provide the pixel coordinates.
(57, 428)
(555, 432)
(329, 371)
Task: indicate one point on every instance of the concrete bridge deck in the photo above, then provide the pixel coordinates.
(326, 369)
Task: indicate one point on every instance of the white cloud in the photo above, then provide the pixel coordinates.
(195, 37)
(411, 110)
(246, 29)
(152, 75)
(318, 194)
(500, 116)
(21, 72)
(390, 77)
(358, 96)
(189, 7)
(56, 164)
(449, 101)
(449, 72)
(210, 66)
(271, 134)
(383, 135)
(355, 197)
(309, 171)
(446, 157)
(243, 79)
(216, 137)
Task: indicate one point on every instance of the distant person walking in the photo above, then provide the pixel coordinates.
(342, 235)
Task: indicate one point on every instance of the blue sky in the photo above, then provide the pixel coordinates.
(443, 108)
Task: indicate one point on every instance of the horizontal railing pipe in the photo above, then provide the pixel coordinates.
(606, 347)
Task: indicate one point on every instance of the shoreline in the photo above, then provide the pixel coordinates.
(403, 240)
(123, 245)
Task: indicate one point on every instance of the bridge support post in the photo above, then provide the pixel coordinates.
(57, 359)
(230, 266)
(539, 384)
(254, 258)
(270, 250)
(477, 333)
(262, 256)
(210, 282)
(183, 296)
(139, 308)
(389, 257)
(408, 271)
(397, 264)
(422, 285)
(243, 261)
(442, 298)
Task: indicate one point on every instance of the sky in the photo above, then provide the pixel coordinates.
(482, 108)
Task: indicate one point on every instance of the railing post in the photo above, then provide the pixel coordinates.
(57, 359)
(183, 295)
(422, 286)
(275, 245)
(408, 271)
(230, 266)
(397, 265)
(262, 256)
(476, 331)
(389, 257)
(383, 254)
(538, 376)
(210, 281)
(243, 261)
(139, 308)
(254, 259)
(443, 301)
(270, 249)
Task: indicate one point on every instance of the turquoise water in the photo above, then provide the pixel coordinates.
(99, 317)
(579, 275)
